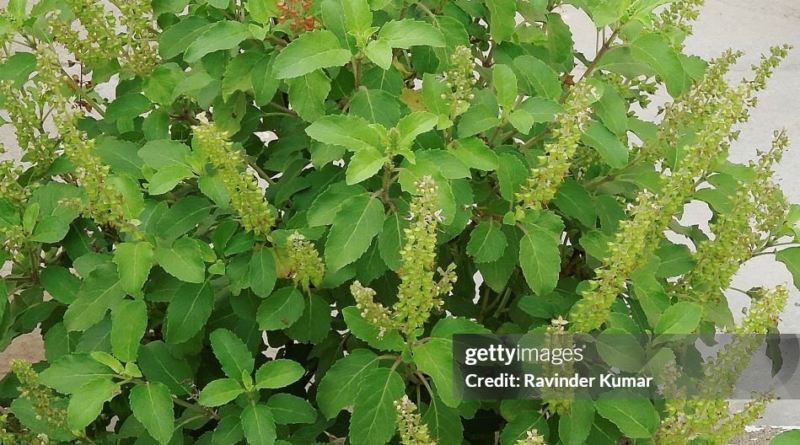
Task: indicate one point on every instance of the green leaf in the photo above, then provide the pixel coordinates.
(791, 258)
(621, 350)
(541, 78)
(444, 423)
(262, 10)
(368, 332)
(574, 428)
(100, 292)
(357, 18)
(122, 156)
(310, 52)
(278, 373)
(654, 50)
(51, 229)
(786, 438)
(289, 409)
(128, 325)
(359, 220)
(413, 125)
(502, 21)
(606, 143)
(612, 111)
(576, 202)
(676, 259)
(60, 283)
(258, 425)
(164, 153)
(262, 272)
(476, 154)
(18, 68)
(182, 260)
(314, 324)
(540, 109)
(380, 53)
(435, 358)
(175, 39)
(159, 365)
(307, 94)
(134, 261)
(681, 318)
(377, 107)
(486, 243)
(188, 312)
(71, 372)
(351, 132)
(238, 73)
(505, 84)
(540, 260)
(340, 384)
(151, 404)
(225, 34)
(265, 85)
(183, 216)
(634, 415)
(232, 353)
(281, 309)
(160, 85)
(220, 392)
(373, 421)
(228, 432)
(390, 240)
(364, 164)
(477, 119)
(407, 33)
(518, 428)
(127, 108)
(87, 402)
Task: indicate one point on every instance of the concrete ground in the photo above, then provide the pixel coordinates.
(751, 26)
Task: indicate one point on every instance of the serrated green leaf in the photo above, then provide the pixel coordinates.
(289, 409)
(128, 326)
(606, 143)
(541, 78)
(540, 260)
(100, 292)
(576, 202)
(358, 221)
(220, 392)
(348, 131)
(262, 272)
(258, 425)
(407, 33)
(87, 402)
(281, 309)
(486, 243)
(225, 34)
(73, 371)
(373, 421)
(364, 164)
(278, 374)
(182, 260)
(188, 312)
(151, 404)
(310, 52)
(339, 385)
(635, 416)
(681, 318)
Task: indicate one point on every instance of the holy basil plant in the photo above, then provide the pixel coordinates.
(263, 222)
